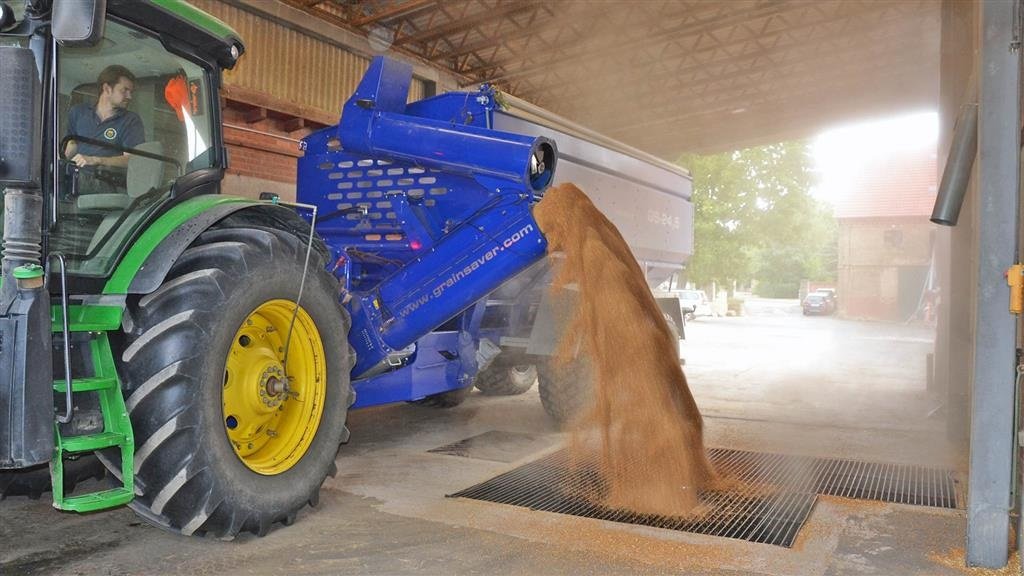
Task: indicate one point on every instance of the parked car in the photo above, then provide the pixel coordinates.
(829, 293)
(818, 303)
(695, 303)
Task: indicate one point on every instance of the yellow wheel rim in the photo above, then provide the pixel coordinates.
(272, 410)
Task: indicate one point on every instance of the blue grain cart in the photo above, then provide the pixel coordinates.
(425, 208)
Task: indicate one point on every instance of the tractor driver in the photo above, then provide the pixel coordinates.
(109, 121)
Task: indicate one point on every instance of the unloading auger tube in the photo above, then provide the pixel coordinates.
(471, 258)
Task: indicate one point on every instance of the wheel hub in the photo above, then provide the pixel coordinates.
(272, 409)
(273, 386)
(522, 375)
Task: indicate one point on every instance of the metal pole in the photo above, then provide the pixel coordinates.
(992, 434)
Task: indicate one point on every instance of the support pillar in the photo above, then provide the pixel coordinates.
(992, 426)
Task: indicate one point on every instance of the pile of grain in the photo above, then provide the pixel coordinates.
(649, 433)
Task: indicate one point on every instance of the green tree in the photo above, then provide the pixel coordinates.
(756, 220)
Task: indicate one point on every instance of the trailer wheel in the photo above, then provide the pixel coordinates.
(565, 391)
(229, 437)
(35, 481)
(507, 375)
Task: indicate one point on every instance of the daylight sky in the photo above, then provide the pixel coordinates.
(840, 152)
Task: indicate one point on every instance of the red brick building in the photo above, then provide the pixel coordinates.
(885, 237)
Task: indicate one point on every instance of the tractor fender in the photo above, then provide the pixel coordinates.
(147, 263)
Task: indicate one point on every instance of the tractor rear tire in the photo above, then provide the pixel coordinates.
(507, 375)
(35, 481)
(565, 391)
(202, 466)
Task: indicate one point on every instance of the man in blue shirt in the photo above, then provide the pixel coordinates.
(109, 121)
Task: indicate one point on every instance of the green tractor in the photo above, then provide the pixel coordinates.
(144, 317)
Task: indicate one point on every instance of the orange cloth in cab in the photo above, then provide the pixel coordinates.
(176, 95)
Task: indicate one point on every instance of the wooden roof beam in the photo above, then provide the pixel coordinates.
(689, 27)
(863, 32)
(335, 20)
(895, 49)
(796, 103)
(850, 11)
(400, 9)
(908, 77)
(467, 22)
(535, 30)
(718, 135)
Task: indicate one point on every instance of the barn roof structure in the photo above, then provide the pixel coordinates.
(673, 76)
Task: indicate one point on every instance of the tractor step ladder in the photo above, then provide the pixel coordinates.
(117, 428)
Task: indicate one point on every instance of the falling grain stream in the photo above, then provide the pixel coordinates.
(643, 424)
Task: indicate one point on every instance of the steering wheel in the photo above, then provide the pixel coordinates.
(133, 151)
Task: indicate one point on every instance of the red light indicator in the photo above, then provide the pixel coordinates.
(415, 244)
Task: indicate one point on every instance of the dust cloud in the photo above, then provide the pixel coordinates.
(643, 424)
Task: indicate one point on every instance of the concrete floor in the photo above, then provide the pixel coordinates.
(772, 380)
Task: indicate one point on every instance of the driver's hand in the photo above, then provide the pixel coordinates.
(81, 160)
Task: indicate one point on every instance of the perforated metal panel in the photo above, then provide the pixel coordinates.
(380, 187)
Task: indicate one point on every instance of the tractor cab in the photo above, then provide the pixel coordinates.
(100, 206)
(111, 169)
(109, 120)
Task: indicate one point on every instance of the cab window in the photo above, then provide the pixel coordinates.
(133, 118)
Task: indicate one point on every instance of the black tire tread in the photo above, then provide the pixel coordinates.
(179, 491)
(496, 379)
(565, 391)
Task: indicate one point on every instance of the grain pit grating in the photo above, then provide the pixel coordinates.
(774, 519)
(896, 483)
(763, 516)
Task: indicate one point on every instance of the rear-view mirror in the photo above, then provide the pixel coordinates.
(79, 22)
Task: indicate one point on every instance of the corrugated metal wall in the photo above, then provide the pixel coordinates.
(288, 65)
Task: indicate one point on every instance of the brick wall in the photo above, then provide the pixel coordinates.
(249, 160)
(874, 253)
(262, 156)
(885, 241)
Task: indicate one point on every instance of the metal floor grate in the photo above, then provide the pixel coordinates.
(763, 516)
(897, 483)
(773, 519)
